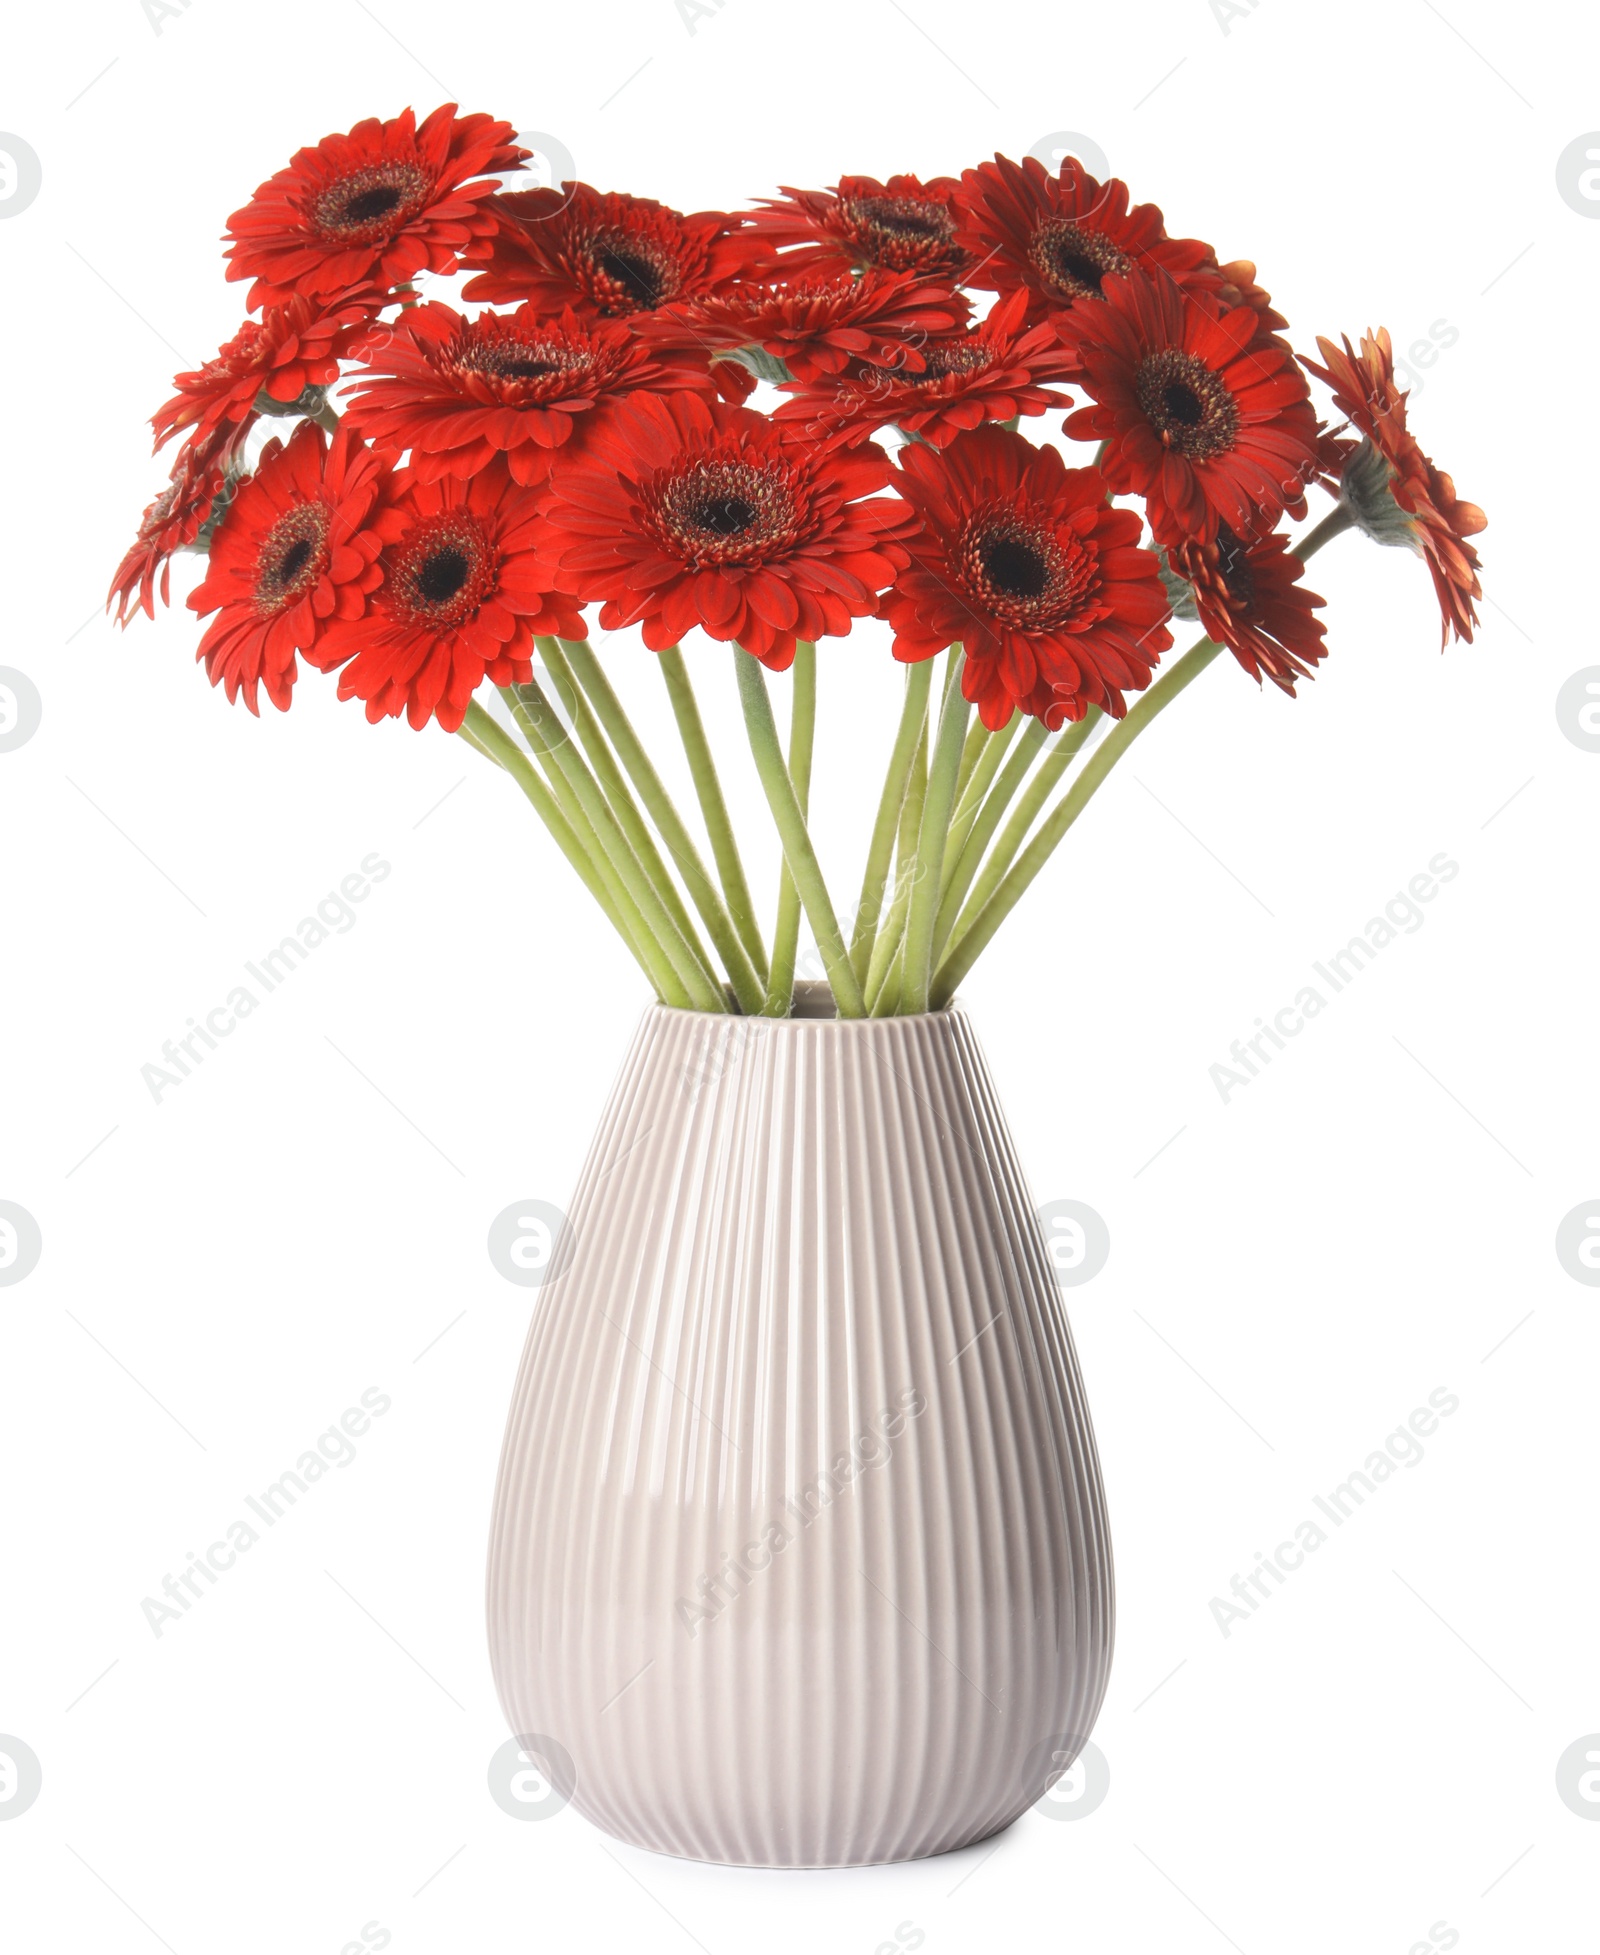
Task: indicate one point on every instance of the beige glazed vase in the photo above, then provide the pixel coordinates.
(799, 1552)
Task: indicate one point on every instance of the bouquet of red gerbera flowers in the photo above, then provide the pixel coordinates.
(456, 487)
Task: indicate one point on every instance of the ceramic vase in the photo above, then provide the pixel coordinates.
(799, 1554)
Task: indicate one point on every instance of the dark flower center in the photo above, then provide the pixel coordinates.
(1189, 408)
(371, 204)
(631, 273)
(443, 572)
(636, 275)
(727, 515)
(897, 232)
(520, 368)
(906, 217)
(942, 359)
(1022, 571)
(292, 556)
(1014, 566)
(727, 511)
(1183, 403)
(1072, 261)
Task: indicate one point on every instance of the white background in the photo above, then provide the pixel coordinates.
(1373, 1753)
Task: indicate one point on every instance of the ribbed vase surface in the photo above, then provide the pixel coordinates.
(799, 1547)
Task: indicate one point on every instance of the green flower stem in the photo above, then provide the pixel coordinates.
(986, 819)
(701, 990)
(724, 848)
(970, 798)
(677, 977)
(464, 732)
(891, 939)
(326, 418)
(888, 962)
(485, 736)
(1335, 523)
(703, 890)
(964, 952)
(614, 786)
(913, 718)
(791, 823)
(1015, 832)
(887, 1002)
(943, 768)
(802, 740)
(977, 739)
(572, 813)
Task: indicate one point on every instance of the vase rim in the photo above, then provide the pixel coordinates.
(813, 1006)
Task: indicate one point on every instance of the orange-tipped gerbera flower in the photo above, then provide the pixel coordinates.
(374, 207)
(1058, 237)
(1025, 563)
(459, 391)
(1204, 417)
(1252, 601)
(200, 476)
(289, 350)
(609, 255)
(904, 225)
(464, 591)
(1239, 287)
(816, 326)
(993, 372)
(1433, 520)
(296, 553)
(681, 512)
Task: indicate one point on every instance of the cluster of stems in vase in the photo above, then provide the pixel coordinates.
(458, 488)
(964, 825)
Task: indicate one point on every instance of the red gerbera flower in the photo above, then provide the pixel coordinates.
(904, 225)
(1239, 287)
(176, 517)
(1437, 522)
(374, 207)
(990, 373)
(289, 349)
(682, 512)
(1058, 237)
(464, 591)
(610, 256)
(459, 391)
(1024, 562)
(296, 551)
(1251, 600)
(816, 326)
(1203, 416)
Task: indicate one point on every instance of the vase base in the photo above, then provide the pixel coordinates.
(809, 1866)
